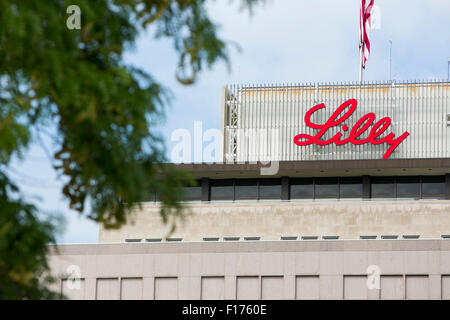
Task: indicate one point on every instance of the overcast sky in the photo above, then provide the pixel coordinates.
(283, 41)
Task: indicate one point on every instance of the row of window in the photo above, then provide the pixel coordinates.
(291, 238)
(323, 188)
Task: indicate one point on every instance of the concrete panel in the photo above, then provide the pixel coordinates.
(213, 288)
(417, 287)
(247, 288)
(131, 289)
(445, 287)
(392, 287)
(307, 263)
(355, 263)
(272, 263)
(331, 287)
(108, 289)
(355, 287)
(248, 263)
(307, 288)
(213, 264)
(189, 288)
(166, 288)
(166, 265)
(132, 265)
(148, 291)
(108, 266)
(230, 287)
(272, 287)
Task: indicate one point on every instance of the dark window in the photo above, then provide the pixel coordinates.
(270, 189)
(433, 186)
(246, 189)
(408, 186)
(383, 187)
(193, 193)
(350, 187)
(302, 189)
(326, 188)
(222, 190)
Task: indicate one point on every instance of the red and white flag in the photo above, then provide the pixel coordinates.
(365, 25)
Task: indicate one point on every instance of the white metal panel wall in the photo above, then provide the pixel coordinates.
(261, 121)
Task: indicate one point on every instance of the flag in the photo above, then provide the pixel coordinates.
(365, 24)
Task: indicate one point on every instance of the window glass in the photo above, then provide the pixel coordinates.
(193, 193)
(383, 187)
(433, 185)
(326, 188)
(222, 190)
(246, 189)
(270, 189)
(351, 187)
(408, 186)
(302, 188)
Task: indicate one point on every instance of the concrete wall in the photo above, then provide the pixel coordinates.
(410, 269)
(272, 220)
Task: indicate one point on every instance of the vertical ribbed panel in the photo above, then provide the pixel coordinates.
(261, 121)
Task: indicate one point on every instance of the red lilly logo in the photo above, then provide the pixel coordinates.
(358, 129)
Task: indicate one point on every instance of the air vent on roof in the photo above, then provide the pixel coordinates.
(310, 237)
(289, 238)
(368, 237)
(252, 238)
(132, 240)
(410, 236)
(210, 239)
(330, 237)
(389, 237)
(231, 238)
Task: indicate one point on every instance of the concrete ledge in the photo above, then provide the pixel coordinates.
(251, 246)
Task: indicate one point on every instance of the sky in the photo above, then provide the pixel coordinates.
(283, 41)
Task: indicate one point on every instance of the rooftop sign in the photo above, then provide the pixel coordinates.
(358, 129)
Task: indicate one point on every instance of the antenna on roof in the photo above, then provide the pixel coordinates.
(390, 59)
(448, 70)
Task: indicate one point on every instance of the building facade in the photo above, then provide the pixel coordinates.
(319, 184)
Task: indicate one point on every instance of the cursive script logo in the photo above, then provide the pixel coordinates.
(358, 129)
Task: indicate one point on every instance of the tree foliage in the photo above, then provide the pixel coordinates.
(103, 110)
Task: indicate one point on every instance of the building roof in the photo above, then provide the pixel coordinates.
(323, 168)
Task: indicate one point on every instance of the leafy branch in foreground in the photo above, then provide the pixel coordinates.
(102, 110)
